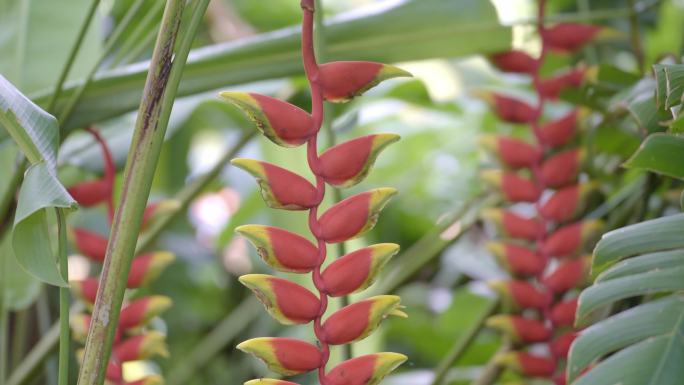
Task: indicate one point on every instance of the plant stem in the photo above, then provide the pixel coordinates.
(142, 160)
(214, 341)
(463, 343)
(493, 371)
(64, 334)
(635, 36)
(430, 245)
(72, 55)
(44, 323)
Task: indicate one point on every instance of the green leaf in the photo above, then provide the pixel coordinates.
(669, 85)
(642, 264)
(651, 336)
(35, 131)
(655, 235)
(605, 293)
(658, 318)
(31, 237)
(407, 30)
(661, 153)
(647, 115)
(37, 134)
(17, 288)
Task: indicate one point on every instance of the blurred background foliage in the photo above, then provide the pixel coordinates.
(435, 165)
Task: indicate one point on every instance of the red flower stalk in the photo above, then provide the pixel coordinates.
(341, 166)
(540, 295)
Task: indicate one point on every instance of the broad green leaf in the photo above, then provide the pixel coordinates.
(663, 317)
(388, 32)
(35, 131)
(37, 134)
(607, 292)
(17, 288)
(31, 237)
(669, 85)
(655, 235)
(643, 263)
(661, 153)
(647, 116)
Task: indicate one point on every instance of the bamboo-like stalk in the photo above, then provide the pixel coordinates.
(142, 160)
(64, 331)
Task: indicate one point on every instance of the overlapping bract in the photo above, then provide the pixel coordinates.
(341, 166)
(543, 253)
(134, 340)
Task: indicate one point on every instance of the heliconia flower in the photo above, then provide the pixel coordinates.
(285, 301)
(514, 61)
(343, 80)
(521, 329)
(147, 267)
(513, 225)
(514, 187)
(281, 249)
(365, 370)
(141, 347)
(157, 209)
(509, 109)
(568, 37)
(560, 346)
(357, 270)
(558, 132)
(356, 321)
(571, 239)
(520, 294)
(280, 188)
(348, 163)
(562, 168)
(518, 260)
(86, 289)
(114, 371)
(568, 275)
(285, 356)
(147, 380)
(269, 381)
(281, 122)
(91, 244)
(142, 310)
(568, 202)
(513, 153)
(551, 87)
(91, 193)
(563, 313)
(354, 216)
(527, 364)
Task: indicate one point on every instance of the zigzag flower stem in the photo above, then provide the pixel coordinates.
(543, 253)
(341, 166)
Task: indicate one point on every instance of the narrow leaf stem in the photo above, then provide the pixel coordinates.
(72, 55)
(463, 343)
(142, 160)
(64, 333)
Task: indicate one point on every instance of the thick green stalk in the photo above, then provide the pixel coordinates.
(463, 343)
(72, 55)
(64, 333)
(142, 160)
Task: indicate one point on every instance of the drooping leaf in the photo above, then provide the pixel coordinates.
(661, 153)
(669, 85)
(17, 288)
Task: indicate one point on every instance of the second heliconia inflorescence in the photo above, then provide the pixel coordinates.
(340, 166)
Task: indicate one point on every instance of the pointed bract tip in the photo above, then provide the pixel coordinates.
(249, 165)
(252, 281)
(389, 71)
(238, 97)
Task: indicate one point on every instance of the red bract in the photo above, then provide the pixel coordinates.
(519, 260)
(281, 122)
(567, 275)
(570, 239)
(514, 61)
(561, 344)
(513, 153)
(514, 225)
(563, 313)
(343, 80)
(514, 187)
(86, 289)
(280, 188)
(340, 166)
(354, 215)
(562, 168)
(91, 244)
(147, 267)
(513, 110)
(91, 193)
(286, 301)
(568, 37)
(346, 164)
(551, 88)
(140, 311)
(520, 328)
(560, 131)
(521, 294)
(562, 205)
(141, 347)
